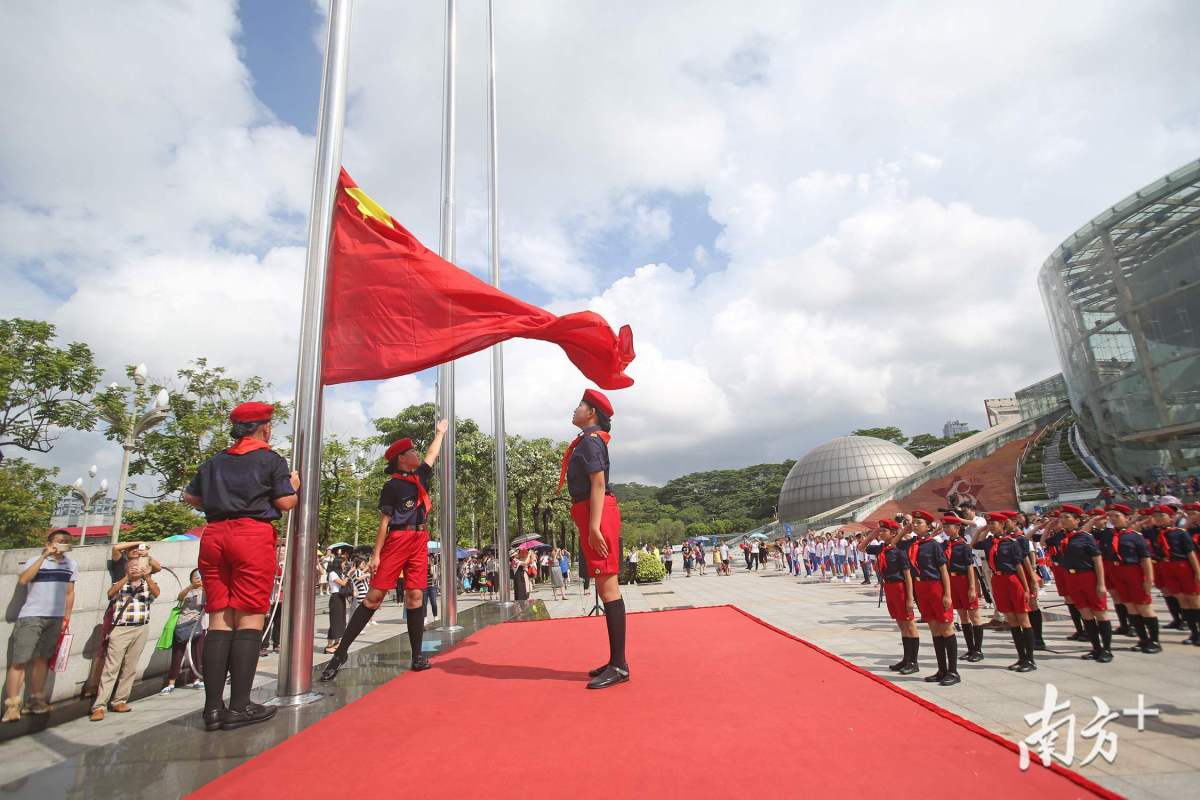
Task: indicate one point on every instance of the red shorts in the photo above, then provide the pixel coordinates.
(894, 592)
(1060, 579)
(1082, 588)
(1008, 595)
(929, 601)
(1177, 577)
(1127, 581)
(237, 564)
(610, 529)
(1158, 574)
(406, 551)
(958, 594)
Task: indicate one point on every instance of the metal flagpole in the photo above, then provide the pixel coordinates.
(446, 508)
(295, 667)
(505, 587)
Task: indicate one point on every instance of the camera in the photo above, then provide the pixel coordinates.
(900, 518)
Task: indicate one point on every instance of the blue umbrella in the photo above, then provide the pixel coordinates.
(462, 552)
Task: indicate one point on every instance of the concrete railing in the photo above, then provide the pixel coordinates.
(91, 600)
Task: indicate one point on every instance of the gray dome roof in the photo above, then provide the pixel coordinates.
(842, 470)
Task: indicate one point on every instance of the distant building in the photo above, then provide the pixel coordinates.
(1000, 410)
(954, 428)
(69, 512)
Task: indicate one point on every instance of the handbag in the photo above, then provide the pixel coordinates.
(167, 637)
(63, 651)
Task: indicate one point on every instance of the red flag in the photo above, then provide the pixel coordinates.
(394, 307)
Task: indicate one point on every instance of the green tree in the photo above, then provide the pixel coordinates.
(157, 521)
(889, 434)
(198, 425)
(28, 494)
(43, 388)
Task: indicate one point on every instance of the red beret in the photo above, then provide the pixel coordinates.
(252, 412)
(953, 519)
(397, 447)
(1191, 506)
(1121, 507)
(1163, 509)
(1067, 508)
(1145, 512)
(1011, 514)
(921, 513)
(598, 402)
(996, 516)
(889, 524)
(1097, 512)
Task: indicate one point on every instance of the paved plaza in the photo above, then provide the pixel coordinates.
(1159, 762)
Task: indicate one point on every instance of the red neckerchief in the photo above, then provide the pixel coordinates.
(422, 495)
(247, 444)
(912, 552)
(950, 545)
(881, 564)
(562, 476)
(1162, 541)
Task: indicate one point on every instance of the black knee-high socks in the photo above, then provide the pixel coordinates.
(1151, 627)
(1139, 627)
(1175, 609)
(912, 646)
(1122, 615)
(358, 620)
(416, 629)
(1035, 620)
(939, 650)
(216, 668)
(1193, 620)
(1093, 633)
(614, 618)
(978, 638)
(950, 645)
(243, 662)
(968, 631)
(1105, 627)
(1076, 618)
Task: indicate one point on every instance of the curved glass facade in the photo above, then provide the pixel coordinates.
(839, 471)
(1123, 297)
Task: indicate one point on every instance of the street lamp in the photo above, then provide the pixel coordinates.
(88, 499)
(134, 427)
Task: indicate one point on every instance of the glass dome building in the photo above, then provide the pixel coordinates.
(1123, 297)
(842, 470)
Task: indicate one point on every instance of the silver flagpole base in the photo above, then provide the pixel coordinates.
(296, 699)
(450, 628)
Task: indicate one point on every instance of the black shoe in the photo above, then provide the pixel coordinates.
(592, 673)
(212, 719)
(611, 676)
(950, 679)
(909, 669)
(252, 713)
(1016, 665)
(974, 658)
(1175, 625)
(1026, 666)
(1040, 644)
(1078, 636)
(1149, 648)
(331, 669)
(1124, 630)
(1089, 655)
(935, 677)
(899, 665)
(1104, 656)
(420, 664)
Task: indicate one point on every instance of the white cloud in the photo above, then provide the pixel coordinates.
(886, 180)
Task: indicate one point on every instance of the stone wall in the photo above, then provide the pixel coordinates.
(91, 587)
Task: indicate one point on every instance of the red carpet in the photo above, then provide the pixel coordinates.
(721, 705)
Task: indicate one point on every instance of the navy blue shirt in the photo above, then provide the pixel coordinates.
(1053, 545)
(589, 456)
(895, 561)
(1079, 548)
(399, 500)
(929, 560)
(242, 486)
(1178, 541)
(1124, 547)
(960, 559)
(1004, 553)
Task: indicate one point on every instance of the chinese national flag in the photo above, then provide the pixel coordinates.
(393, 307)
